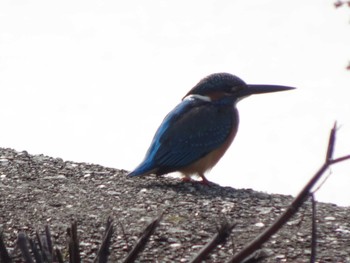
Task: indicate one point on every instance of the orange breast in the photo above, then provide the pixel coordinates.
(211, 159)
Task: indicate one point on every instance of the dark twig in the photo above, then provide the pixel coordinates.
(319, 186)
(45, 251)
(103, 253)
(36, 252)
(22, 243)
(256, 257)
(331, 142)
(124, 235)
(220, 237)
(4, 255)
(73, 244)
(59, 256)
(142, 241)
(314, 230)
(43, 256)
(340, 159)
(48, 245)
(294, 206)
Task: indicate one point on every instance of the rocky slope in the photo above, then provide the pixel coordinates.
(38, 190)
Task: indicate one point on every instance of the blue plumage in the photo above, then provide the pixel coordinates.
(190, 131)
(196, 133)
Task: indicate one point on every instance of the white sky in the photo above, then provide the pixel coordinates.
(90, 81)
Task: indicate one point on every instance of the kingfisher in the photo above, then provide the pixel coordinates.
(197, 132)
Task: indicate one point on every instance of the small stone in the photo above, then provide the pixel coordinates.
(280, 256)
(293, 223)
(343, 230)
(175, 245)
(195, 247)
(57, 177)
(112, 192)
(260, 224)
(264, 210)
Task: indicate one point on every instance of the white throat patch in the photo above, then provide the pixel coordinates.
(197, 96)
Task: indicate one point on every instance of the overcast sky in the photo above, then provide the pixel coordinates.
(90, 81)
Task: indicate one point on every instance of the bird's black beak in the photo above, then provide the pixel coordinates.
(258, 89)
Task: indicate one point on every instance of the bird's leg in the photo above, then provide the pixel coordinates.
(204, 181)
(186, 179)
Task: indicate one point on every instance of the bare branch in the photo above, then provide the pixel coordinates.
(48, 244)
(59, 256)
(124, 235)
(73, 244)
(294, 206)
(103, 252)
(4, 255)
(314, 230)
(142, 241)
(340, 159)
(257, 256)
(322, 183)
(220, 237)
(22, 243)
(331, 143)
(36, 253)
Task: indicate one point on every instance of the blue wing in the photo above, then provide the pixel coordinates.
(191, 130)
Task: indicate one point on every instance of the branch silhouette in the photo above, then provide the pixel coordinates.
(295, 205)
(220, 237)
(142, 241)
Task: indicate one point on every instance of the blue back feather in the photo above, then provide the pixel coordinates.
(191, 130)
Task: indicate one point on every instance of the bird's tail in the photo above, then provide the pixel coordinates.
(143, 169)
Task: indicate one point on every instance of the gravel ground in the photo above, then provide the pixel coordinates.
(37, 190)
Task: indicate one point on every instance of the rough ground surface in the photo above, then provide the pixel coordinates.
(40, 190)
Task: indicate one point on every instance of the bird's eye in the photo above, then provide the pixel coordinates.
(237, 88)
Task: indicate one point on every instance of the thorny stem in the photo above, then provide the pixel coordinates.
(294, 206)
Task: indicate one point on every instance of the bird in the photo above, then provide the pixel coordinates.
(195, 135)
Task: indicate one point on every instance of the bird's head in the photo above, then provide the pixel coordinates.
(220, 85)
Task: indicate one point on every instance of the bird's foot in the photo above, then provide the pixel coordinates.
(204, 181)
(186, 179)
